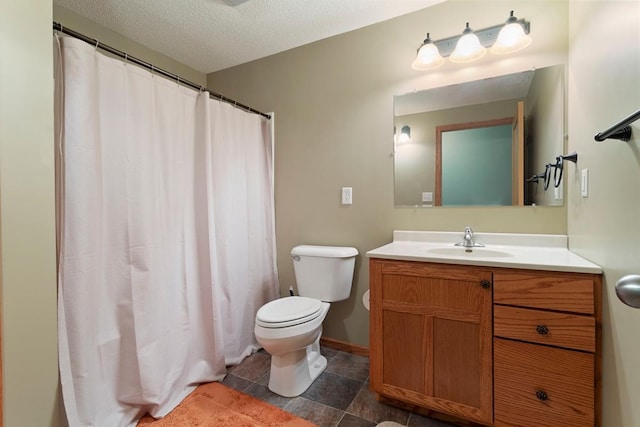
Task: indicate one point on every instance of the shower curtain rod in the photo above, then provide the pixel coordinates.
(153, 68)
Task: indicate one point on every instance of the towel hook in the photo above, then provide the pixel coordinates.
(537, 177)
(547, 174)
(557, 177)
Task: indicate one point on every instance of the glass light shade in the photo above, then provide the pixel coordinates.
(405, 134)
(511, 38)
(468, 49)
(428, 58)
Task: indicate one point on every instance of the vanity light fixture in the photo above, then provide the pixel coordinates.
(405, 134)
(508, 37)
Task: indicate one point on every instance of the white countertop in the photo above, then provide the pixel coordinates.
(528, 251)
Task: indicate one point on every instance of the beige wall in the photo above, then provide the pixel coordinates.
(605, 227)
(89, 28)
(333, 101)
(27, 228)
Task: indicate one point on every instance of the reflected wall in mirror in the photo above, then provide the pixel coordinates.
(435, 168)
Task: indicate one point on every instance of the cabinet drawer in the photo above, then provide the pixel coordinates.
(544, 327)
(541, 386)
(562, 292)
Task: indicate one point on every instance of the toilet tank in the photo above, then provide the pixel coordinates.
(324, 272)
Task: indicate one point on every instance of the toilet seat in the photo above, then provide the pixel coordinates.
(288, 311)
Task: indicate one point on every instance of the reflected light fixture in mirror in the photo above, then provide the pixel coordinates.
(508, 37)
(405, 134)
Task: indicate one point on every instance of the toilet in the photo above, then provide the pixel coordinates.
(289, 328)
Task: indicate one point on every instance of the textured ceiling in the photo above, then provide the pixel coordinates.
(210, 35)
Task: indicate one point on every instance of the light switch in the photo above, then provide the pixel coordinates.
(427, 196)
(584, 183)
(347, 195)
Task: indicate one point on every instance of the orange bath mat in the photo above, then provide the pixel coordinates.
(216, 405)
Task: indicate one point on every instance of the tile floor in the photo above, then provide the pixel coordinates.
(340, 397)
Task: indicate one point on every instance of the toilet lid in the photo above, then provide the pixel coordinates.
(288, 311)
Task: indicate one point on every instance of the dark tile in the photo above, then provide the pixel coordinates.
(350, 366)
(366, 406)
(236, 383)
(333, 390)
(253, 367)
(328, 353)
(352, 421)
(263, 393)
(264, 380)
(416, 420)
(321, 415)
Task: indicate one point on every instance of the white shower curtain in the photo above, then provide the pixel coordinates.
(166, 238)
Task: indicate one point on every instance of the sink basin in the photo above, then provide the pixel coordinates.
(469, 252)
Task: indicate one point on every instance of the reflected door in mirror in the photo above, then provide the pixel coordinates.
(479, 163)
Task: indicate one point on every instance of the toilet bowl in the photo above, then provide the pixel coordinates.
(294, 344)
(290, 328)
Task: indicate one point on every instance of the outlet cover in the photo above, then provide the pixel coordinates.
(347, 195)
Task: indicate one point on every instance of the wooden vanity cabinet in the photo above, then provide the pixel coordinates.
(497, 346)
(431, 336)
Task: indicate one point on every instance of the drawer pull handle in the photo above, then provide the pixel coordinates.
(541, 395)
(542, 329)
(485, 284)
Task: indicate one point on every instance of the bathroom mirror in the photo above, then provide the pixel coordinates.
(456, 145)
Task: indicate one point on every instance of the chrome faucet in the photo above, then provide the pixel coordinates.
(468, 241)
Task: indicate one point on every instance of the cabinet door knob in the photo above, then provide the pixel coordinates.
(485, 284)
(542, 329)
(541, 395)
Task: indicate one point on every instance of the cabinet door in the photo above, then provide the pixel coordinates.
(431, 336)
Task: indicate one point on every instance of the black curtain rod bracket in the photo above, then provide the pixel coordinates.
(154, 69)
(620, 130)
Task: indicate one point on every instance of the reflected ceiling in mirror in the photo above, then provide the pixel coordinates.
(423, 165)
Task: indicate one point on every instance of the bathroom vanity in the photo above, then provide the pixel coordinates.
(502, 335)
